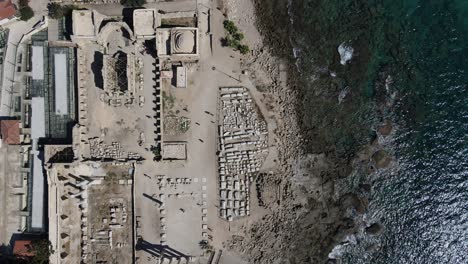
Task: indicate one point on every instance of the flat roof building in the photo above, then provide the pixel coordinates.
(37, 118)
(174, 151)
(52, 115)
(53, 79)
(22, 248)
(36, 180)
(10, 131)
(37, 183)
(83, 23)
(61, 83)
(145, 22)
(37, 62)
(178, 43)
(7, 11)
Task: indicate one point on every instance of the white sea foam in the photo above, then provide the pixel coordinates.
(296, 52)
(340, 249)
(346, 52)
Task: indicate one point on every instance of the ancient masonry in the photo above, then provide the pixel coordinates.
(81, 194)
(168, 187)
(100, 150)
(243, 138)
(158, 102)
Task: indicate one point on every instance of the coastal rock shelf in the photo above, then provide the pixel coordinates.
(243, 138)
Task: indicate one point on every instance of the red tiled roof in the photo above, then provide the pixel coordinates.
(10, 131)
(21, 248)
(7, 9)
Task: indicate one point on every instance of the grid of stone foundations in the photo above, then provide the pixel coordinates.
(243, 138)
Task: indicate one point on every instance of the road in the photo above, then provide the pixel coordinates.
(17, 30)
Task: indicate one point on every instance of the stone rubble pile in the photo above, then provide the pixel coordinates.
(100, 150)
(243, 138)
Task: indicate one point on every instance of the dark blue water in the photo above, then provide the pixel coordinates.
(423, 199)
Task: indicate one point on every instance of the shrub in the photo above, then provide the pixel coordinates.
(230, 27)
(233, 43)
(234, 37)
(42, 250)
(244, 49)
(156, 152)
(26, 13)
(238, 36)
(55, 10)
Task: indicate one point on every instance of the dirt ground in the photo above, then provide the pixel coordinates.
(97, 198)
(196, 205)
(110, 219)
(177, 202)
(129, 126)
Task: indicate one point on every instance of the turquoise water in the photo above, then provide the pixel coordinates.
(423, 46)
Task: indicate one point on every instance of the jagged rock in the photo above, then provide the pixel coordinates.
(371, 248)
(374, 229)
(351, 200)
(365, 187)
(386, 128)
(381, 159)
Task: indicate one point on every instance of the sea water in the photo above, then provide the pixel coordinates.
(422, 201)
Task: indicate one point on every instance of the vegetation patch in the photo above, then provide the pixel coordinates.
(110, 176)
(179, 22)
(25, 11)
(156, 152)
(176, 125)
(168, 100)
(57, 11)
(234, 37)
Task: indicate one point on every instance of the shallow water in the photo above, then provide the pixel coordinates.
(423, 45)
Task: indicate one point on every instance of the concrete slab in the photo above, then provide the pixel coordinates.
(37, 118)
(174, 151)
(38, 188)
(37, 61)
(83, 23)
(144, 21)
(61, 83)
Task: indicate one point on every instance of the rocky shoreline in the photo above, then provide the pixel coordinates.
(312, 216)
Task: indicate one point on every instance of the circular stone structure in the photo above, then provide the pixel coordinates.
(184, 41)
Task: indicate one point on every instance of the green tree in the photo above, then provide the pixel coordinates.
(42, 250)
(238, 36)
(26, 13)
(132, 3)
(243, 49)
(233, 43)
(55, 10)
(156, 152)
(230, 27)
(234, 37)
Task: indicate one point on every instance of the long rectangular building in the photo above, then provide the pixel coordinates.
(54, 79)
(52, 115)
